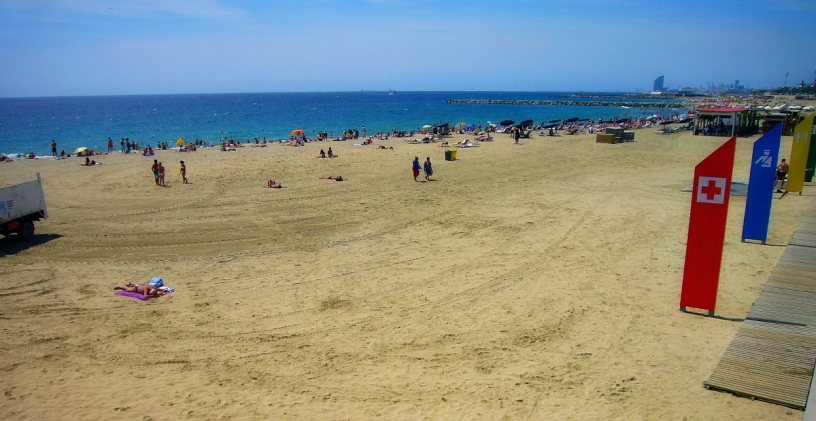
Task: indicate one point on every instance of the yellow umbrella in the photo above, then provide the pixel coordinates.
(180, 142)
(81, 149)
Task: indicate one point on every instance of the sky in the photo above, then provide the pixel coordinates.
(132, 47)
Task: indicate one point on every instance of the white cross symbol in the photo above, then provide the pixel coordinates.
(711, 190)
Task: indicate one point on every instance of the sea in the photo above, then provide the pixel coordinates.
(30, 124)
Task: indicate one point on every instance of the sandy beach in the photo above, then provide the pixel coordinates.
(537, 281)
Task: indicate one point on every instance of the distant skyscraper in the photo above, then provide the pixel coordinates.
(658, 84)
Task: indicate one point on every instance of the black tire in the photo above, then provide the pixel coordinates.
(26, 230)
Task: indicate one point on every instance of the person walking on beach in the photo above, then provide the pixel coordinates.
(781, 174)
(415, 167)
(155, 169)
(110, 145)
(54, 148)
(183, 172)
(161, 175)
(428, 169)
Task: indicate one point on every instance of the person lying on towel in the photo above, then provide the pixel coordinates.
(144, 289)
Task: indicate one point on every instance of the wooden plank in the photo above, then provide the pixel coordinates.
(773, 354)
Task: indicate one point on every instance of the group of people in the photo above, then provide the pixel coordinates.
(90, 163)
(427, 167)
(159, 171)
(323, 154)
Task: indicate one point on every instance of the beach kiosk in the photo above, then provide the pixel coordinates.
(725, 121)
(772, 119)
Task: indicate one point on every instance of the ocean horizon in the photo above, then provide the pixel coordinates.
(28, 124)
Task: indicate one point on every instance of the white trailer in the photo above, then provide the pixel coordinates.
(20, 206)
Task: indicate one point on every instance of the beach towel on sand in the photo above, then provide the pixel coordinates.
(135, 295)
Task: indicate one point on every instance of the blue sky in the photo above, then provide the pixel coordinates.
(118, 47)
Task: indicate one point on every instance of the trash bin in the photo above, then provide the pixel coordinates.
(448, 155)
(453, 154)
(809, 175)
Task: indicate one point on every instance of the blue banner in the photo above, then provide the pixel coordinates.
(761, 186)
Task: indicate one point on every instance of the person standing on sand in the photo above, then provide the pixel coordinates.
(428, 169)
(161, 175)
(415, 167)
(781, 174)
(183, 172)
(155, 169)
(54, 148)
(110, 145)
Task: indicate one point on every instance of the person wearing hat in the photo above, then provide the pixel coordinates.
(183, 172)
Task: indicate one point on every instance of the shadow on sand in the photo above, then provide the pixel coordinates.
(12, 245)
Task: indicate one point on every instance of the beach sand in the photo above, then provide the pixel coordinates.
(532, 281)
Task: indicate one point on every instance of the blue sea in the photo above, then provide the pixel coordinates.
(29, 124)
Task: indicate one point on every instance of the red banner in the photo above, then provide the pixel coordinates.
(706, 234)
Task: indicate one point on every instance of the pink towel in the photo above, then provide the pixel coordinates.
(135, 295)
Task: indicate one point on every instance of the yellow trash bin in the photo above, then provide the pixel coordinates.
(453, 154)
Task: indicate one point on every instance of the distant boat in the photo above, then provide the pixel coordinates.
(392, 92)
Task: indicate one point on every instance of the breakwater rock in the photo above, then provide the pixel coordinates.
(631, 104)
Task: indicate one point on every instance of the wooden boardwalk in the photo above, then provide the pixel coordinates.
(772, 355)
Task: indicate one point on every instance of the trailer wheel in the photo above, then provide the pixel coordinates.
(26, 230)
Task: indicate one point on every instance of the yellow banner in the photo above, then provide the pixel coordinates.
(799, 154)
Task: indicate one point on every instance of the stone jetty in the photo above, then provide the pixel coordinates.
(631, 104)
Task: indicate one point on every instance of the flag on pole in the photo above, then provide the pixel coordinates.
(760, 186)
(706, 234)
(799, 154)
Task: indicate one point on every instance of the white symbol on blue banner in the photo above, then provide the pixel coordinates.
(766, 159)
(711, 190)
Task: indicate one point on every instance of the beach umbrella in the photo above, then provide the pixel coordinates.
(427, 126)
(81, 149)
(686, 120)
(550, 126)
(460, 125)
(507, 123)
(492, 124)
(470, 127)
(572, 120)
(297, 132)
(526, 123)
(667, 122)
(180, 142)
(555, 121)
